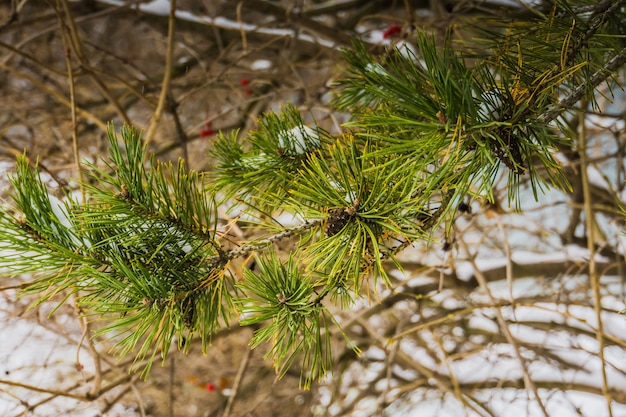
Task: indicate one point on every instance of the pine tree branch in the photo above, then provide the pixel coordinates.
(604, 10)
(595, 80)
(256, 245)
(370, 262)
(594, 8)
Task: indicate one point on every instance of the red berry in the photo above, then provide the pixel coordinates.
(206, 132)
(394, 29)
(248, 91)
(244, 82)
(210, 387)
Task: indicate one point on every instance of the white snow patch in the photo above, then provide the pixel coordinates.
(253, 162)
(596, 178)
(490, 104)
(261, 65)
(376, 68)
(407, 50)
(162, 8)
(420, 281)
(465, 269)
(299, 140)
(289, 219)
(606, 122)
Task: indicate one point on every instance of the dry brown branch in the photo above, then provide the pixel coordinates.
(167, 75)
(594, 278)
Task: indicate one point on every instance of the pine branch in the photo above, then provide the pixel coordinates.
(260, 173)
(140, 254)
(594, 8)
(280, 298)
(599, 15)
(579, 92)
(452, 122)
(256, 245)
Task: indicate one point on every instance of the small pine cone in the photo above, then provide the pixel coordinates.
(512, 159)
(337, 219)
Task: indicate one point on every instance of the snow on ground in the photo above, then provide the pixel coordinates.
(42, 352)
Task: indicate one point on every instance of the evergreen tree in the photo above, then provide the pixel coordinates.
(430, 130)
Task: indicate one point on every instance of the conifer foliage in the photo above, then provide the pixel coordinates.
(145, 253)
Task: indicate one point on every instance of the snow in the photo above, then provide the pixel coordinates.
(59, 209)
(375, 67)
(407, 50)
(162, 8)
(596, 178)
(571, 253)
(299, 140)
(261, 65)
(605, 122)
(289, 219)
(419, 281)
(254, 162)
(38, 357)
(490, 103)
(465, 269)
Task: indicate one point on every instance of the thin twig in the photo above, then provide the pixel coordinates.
(508, 254)
(138, 398)
(593, 273)
(20, 46)
(167, 76)
(244, 39)
(72, 85)
(258, 244)
(390, 358)
(447, 362)
(237, 382)
(28, 57)
(183, 139)
(12, 17)
(95, 356)
(170, 387)
(77, 47)
(301, 22)
(603, 10)
(112, 401)
(58, 393)
(450, 315)
(433, 377)
(528, 382)
(54, 94)
(53, 395)
(94, 392)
